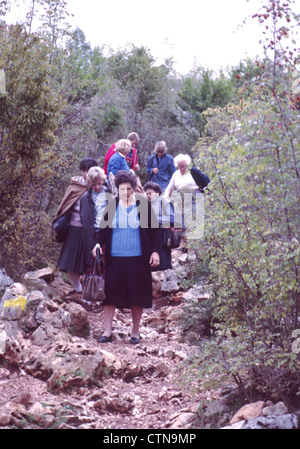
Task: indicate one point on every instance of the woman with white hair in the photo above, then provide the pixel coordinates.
(118, 162)
(182, 183)
(182, 178)
(92, 205)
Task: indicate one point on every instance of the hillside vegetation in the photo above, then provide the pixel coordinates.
(61, 100)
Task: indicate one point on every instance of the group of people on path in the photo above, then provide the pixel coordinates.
(109, 210)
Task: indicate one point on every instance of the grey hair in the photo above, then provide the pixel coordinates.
(161, 145)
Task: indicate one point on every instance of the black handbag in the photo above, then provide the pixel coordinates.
(60, 227)
(170, 239)
(94, 284)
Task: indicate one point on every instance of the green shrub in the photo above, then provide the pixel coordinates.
(251, 247)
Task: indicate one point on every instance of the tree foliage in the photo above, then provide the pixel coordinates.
(200, 91)
(251, 243)
(29, 111)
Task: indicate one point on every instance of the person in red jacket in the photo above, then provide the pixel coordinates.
(131, 157)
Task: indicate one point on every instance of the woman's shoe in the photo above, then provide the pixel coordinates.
(135, 340)
(105, 339)
(73, 292)
(87, 305)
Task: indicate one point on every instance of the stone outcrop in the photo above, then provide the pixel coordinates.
(262, 415)
(248, 411)
(54, 373)
(59, 376)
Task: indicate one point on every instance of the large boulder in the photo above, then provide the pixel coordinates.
(66, 365)
(59, 323)
(248, 411)
(262, 415)
(286, 421)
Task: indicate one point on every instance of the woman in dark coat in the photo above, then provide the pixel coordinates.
(130, 233)
(92, 206)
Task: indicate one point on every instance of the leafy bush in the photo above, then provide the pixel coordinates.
(251, 242)
(252, 245)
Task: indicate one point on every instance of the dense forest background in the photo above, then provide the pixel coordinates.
(61, 100)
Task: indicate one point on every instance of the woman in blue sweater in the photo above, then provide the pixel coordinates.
(130, 232)
(118, 161)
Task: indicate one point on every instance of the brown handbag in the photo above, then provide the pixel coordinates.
(94, 289)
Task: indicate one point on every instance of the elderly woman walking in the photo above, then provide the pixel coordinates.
(160, 166)
(118, 162)
(182, 179)
(129, 230)
(189, 198)
(131, 156)
(92, 206)
(73, 258)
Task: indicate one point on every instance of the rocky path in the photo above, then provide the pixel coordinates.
(138, 390)
(54, 373)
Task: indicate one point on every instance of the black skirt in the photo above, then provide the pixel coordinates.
(72, 256)
(128, 282)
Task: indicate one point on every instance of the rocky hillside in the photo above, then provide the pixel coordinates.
(54, 373)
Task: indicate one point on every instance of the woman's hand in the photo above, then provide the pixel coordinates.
(154, 260)
(155, 170)
(94, 250)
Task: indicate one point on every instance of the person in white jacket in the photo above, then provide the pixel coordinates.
(185, 193)
(181, 178)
